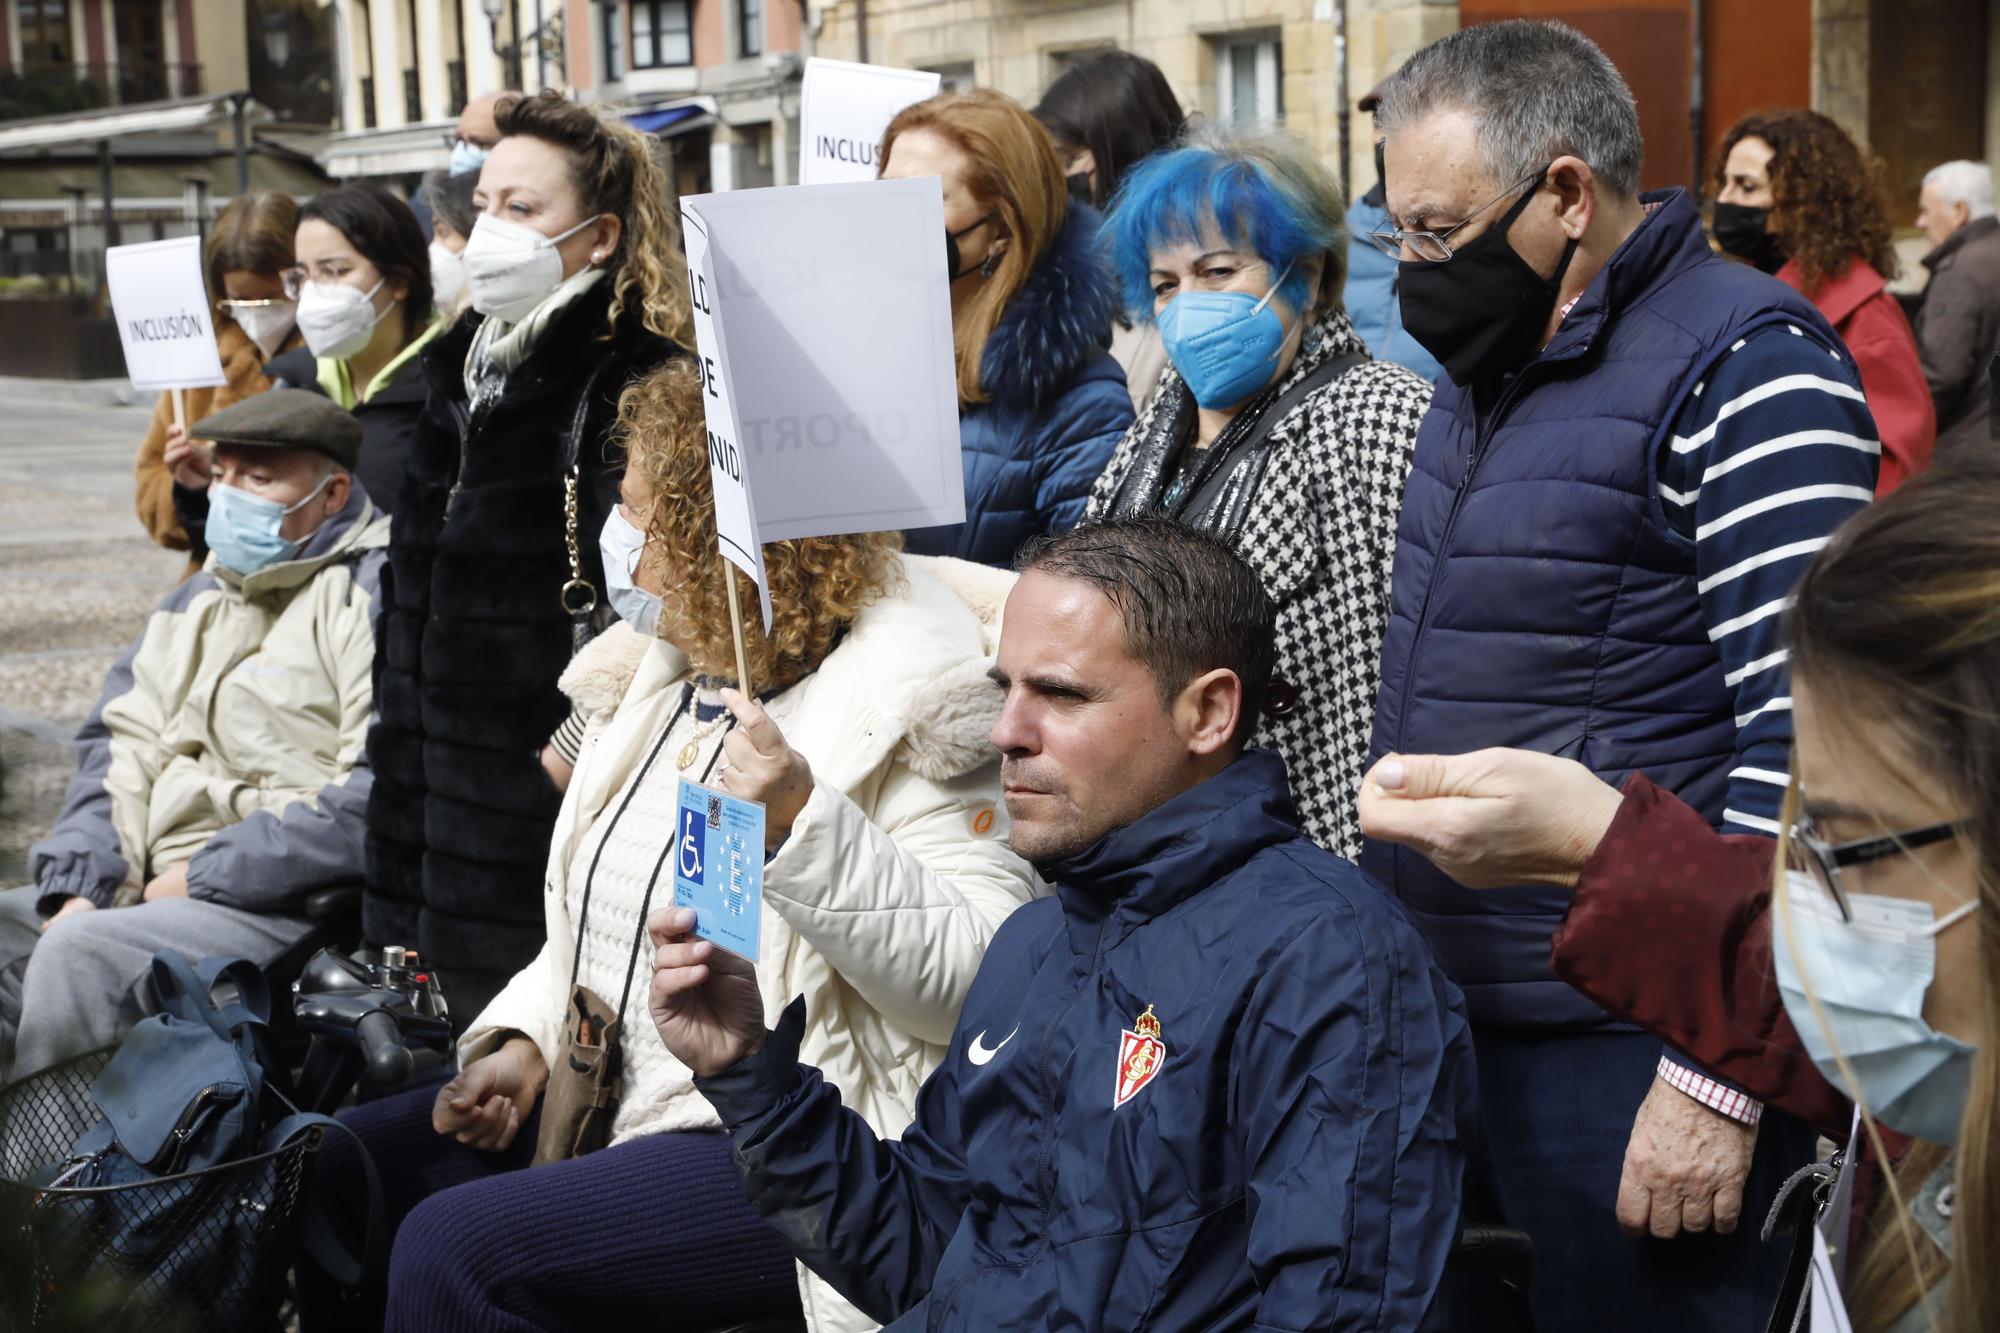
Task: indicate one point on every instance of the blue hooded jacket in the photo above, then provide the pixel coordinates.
(1370, 295)
(1056, 406)
(1215, 1082)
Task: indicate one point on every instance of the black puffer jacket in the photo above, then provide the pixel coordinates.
(388, 419)
(473, 636)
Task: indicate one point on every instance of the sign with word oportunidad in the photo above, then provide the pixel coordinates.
(162, 311)
(844, 107)
(735, 515)
(833, 315)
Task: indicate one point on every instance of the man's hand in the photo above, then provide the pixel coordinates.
(70, 908)
(704, 1000)
(1493, 817)
(486, 1104)
(762, 766)
(191, 463)
(169, 883)
(1684, 1167)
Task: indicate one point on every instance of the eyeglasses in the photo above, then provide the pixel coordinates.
(231, 303)
(1823, 860)
(1435, 247)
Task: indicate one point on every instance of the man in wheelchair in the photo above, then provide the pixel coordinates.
(221, 778)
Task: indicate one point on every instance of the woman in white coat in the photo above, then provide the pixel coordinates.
(887, 872)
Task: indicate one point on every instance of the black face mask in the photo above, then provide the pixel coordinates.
(1741, 231)
(1080, 188)
(1482, 312)
(951, 247)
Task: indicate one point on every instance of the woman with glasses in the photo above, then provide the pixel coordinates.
(248, 249)
(1849, 967)
(1272, 427)
(363, 287)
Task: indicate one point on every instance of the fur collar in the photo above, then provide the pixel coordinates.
(942, 723)
(1054, 322)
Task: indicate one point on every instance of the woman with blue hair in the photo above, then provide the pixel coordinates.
(1273, 428)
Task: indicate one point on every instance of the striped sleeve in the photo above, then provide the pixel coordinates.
(1770, 453)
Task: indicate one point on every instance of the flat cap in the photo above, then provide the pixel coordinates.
(287, 419)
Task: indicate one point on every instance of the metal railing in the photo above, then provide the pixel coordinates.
(34, 88)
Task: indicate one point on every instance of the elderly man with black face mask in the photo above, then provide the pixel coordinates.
(1215, 1081)
(1634, 450)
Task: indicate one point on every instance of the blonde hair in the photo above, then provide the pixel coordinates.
(615, 172)
(1899, 618)
(1011, 171)
(818, 584)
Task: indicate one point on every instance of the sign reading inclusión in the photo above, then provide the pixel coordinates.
(162, 311)
(844, 109)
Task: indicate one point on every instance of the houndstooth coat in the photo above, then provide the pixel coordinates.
(1322, 535)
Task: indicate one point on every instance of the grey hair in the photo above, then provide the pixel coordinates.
(1537, 90)
(1963, 182)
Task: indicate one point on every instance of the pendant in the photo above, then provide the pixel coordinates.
(689, 753)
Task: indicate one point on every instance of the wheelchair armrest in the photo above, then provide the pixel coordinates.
(1505, 1253)
(335, 906)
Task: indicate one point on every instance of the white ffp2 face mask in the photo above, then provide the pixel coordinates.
(338, 320)
(447, 277)
(511, 267)
(266, 325)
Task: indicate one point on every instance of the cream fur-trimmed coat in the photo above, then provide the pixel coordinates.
(879, 906)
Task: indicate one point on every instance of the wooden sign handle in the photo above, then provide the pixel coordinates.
(736, 627)
(180, 408)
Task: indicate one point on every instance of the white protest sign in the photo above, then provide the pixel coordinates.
(834, 317)
(844, 107)
(735, 516)
(161, 308)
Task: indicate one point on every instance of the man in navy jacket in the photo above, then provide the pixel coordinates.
(1216, 1081)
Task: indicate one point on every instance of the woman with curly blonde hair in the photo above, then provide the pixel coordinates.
(577, 290)
(1798, 198)
(887, 872)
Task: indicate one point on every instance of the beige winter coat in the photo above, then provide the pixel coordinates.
(878, 907)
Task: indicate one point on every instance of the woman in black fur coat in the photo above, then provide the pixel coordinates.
(494, 577)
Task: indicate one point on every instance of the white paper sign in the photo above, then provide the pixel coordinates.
(161, 308)
(735, 515)
(834, 318)
(844, 107)
(1829, 1312)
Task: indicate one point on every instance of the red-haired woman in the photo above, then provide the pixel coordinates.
(1798, 198)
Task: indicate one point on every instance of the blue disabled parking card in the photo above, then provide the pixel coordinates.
(719, 866)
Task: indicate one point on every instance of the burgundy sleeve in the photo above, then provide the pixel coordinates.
(1670, 928)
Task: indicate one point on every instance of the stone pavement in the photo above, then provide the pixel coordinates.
(77, 578)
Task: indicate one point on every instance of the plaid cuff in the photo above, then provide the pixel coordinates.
(1717, 1097)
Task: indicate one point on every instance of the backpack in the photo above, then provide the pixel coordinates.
(185, 1193)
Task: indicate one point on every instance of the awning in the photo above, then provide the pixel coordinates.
(406, 150)
(672, 118)
(82, 128)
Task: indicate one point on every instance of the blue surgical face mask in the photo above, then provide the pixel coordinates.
(1869, 976)
(620, 544)
(467, 157)
(1224, 344)
(244, 530)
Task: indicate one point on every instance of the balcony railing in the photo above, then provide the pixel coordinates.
(35, 89)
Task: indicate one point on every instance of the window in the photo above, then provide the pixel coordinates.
(750, 22)
(1249, 79)
(44, 32)
(954, 78)
(614, 22)
(661, 34)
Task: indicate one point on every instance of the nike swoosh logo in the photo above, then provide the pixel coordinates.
(980, 1053)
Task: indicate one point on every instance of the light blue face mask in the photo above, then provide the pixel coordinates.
(467, 157)
(1869, 976)
(1225, 345)
(244, 530)
(620, 544)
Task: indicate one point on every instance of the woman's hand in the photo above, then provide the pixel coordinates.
(189, 462)
(1491, 818)
(485, 1106)
(762, 766)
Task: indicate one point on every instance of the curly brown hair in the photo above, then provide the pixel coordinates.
(616, 172)
(1830, 200)
(818, 584)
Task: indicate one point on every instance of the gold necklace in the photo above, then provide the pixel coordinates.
(692, 750)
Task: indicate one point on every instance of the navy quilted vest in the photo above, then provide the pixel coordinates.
(1540, 599)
